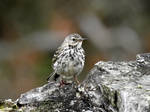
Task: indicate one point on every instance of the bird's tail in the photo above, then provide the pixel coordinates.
(53, 77)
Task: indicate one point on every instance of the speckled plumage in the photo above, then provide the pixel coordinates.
(68, 60)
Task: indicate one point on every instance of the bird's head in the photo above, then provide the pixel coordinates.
(74, 40)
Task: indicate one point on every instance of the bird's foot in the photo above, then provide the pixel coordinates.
(76, 80)
(62, 83)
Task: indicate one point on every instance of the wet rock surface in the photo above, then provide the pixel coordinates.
(109, 87)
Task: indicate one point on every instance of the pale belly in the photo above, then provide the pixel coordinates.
(69, 69)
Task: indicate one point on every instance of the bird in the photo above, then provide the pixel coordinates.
(68, 60)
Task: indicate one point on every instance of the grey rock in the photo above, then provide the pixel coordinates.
(123, 85)
(109, 87)
(54, 98)
(143, 59)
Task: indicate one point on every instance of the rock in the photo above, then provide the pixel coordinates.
(8, 106)
(109, 87)
(53, 98)
(123, 86)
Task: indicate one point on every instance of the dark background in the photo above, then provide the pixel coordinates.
(31, 30)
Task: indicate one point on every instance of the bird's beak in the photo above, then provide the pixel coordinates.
(83, 39)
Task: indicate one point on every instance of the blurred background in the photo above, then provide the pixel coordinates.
(31, 30)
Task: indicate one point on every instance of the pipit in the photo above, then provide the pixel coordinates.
(68, 60)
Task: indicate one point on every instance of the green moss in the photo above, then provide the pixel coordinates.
(8, 106)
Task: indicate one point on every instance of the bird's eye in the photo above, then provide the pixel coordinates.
(74, 39)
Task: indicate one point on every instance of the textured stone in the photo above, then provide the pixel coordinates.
(125, 86)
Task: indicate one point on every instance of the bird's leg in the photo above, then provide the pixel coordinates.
(76, 79)
(62, 83)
